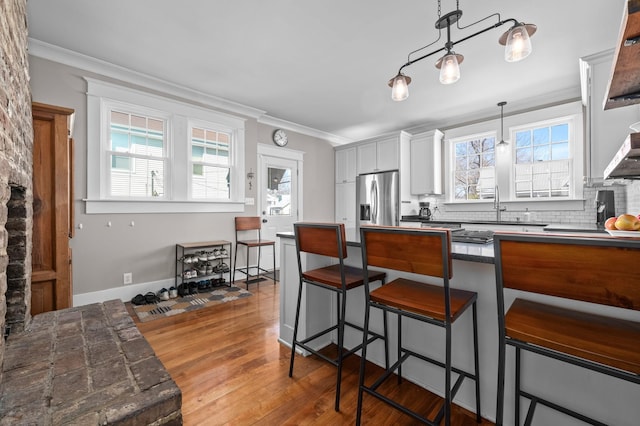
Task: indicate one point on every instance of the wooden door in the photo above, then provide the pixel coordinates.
(52, 209)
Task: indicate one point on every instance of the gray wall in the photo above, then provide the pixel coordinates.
(101, 254)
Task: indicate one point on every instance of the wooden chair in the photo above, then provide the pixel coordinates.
(585, 269)
(328, 239)
(245, 224)
(427, 252)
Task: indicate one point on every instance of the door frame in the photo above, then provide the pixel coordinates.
(287, 154)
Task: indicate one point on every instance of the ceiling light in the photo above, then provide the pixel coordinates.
(502, 145)
(516, 41)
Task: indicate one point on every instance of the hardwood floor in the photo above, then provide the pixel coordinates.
(231, 369)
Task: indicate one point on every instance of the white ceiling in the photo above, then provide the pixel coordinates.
(325, 64)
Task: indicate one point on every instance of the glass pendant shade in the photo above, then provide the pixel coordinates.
(518, 45)
(449, 69)
(400, 87)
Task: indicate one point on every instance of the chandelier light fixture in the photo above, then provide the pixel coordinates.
(516, 41)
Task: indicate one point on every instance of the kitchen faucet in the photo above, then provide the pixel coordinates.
(496, 204)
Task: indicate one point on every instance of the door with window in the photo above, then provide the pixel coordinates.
(279, 189)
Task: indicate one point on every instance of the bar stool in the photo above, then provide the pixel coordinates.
(245, 224)
(583, 269)
(328, 239)
(427, 252)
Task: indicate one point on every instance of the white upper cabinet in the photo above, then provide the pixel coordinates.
(378, 156)
(346, 204)
(426, 163)
(346, 165)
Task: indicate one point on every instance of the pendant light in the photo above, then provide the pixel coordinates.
(502, 145)
(516, 41)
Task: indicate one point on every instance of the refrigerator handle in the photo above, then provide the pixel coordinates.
(374, 202)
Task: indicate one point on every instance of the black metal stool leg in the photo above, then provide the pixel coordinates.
(399, 348)
(341, 318)
(517, 388)
(363, 359)
(476, 361)
(295, 330)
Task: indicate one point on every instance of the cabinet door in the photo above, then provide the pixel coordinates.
(346, 204)
(346, 165)
(367, 158)
(388, 154)
(426, 163)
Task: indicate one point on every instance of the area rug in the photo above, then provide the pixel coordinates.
(167, 308)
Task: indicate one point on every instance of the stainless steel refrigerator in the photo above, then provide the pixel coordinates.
(378, 196)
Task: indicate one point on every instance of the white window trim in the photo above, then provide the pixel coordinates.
(177, 199)
(504, 160)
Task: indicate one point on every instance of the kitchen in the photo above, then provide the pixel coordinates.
(59, 82)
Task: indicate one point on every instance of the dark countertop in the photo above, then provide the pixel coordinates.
(481, 253)
(415, 218)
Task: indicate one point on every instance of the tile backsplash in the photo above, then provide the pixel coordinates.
(627, 200)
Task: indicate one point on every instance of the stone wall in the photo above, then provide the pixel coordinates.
(16, 145)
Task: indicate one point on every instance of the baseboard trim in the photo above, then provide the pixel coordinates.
(124, 293)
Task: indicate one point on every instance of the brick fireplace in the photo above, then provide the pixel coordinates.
(82, 365)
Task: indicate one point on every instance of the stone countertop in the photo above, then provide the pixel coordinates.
(481, 253)
(415, 218)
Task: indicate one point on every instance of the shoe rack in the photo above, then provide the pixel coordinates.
(203, 265)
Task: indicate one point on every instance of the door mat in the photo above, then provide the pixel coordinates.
(167, 308)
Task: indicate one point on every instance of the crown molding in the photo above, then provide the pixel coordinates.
(298, 128)
(70, 58)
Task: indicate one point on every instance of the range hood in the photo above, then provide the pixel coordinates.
(626, 162)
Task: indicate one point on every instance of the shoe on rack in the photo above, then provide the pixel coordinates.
(163, 294)
(202, 256)
(183, 289)
(193, 287)
(216, 252)
(173, 292)
(223, 252)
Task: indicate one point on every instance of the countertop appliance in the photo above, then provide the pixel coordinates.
(378, 196)
(425, 211)
(605, 206)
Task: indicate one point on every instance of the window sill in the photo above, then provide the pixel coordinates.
(142, 206)
(537, 205)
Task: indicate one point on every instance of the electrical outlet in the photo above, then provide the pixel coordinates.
(127, 278)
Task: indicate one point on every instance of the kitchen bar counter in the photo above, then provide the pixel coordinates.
(482, 253)
(611, 400)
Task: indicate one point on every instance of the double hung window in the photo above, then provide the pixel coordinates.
(151, 154)
(210, 163)
(475, 164)
(137, 155)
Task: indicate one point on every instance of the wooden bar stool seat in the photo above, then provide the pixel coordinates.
(328, 239)
(245, 224)
(579, 268)
(426, 252)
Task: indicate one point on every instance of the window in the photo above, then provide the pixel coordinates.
(542, 161)
(152, 154)
(137, 155)
(210, 163)
(475, 161)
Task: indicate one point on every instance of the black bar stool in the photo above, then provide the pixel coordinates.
(427, 252)
(578, 268)
(328, 239)
(245, 224)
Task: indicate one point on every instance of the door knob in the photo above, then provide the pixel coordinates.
(264, 221)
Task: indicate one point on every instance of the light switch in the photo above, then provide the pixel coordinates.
(249, 201)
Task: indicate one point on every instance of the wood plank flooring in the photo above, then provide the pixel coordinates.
(231, 369)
